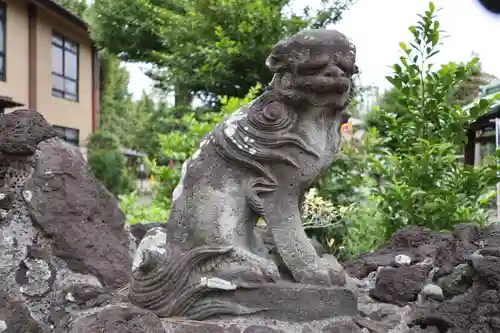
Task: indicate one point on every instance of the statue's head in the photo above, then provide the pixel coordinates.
(314, 67)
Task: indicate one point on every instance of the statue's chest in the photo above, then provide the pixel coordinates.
(323, 137)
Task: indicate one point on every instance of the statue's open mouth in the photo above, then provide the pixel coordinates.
(324, 84)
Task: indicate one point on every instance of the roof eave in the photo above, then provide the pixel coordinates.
(70, 16)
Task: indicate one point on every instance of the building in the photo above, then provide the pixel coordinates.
(48, 63)
(482, 133)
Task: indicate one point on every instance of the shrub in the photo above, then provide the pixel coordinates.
(407, 170)
(108, 163)
(345, 231)
(351, 177)
(323, 220)
(364, 229)
(136, 212)
(424, 181)
(182, 142)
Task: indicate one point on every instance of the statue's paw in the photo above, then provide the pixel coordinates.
(321, 272)
(270, 273)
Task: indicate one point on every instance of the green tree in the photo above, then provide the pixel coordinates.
(78, 7)
(142, 131)
(182, 142)
(206, 48)
(116, 114)
(464, 93)
(424, 182)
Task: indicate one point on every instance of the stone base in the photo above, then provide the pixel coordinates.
(294, 302)
(258, 324)
(284, 307)
(126, 318)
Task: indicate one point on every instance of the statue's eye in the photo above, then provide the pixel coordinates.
(347, 67)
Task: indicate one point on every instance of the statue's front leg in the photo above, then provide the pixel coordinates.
(283, 218)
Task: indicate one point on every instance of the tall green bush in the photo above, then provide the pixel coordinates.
(108, 163)
(352, 177)
(408, 170)
(424, 182)
(183, 141)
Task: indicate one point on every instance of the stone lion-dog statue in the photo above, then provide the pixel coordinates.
(257, 163)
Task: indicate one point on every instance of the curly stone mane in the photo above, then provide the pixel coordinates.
(253, 135)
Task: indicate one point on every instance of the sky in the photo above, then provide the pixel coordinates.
(377, 26)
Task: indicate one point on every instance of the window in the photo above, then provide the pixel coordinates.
(64, 68)
(3, 12)
(70, 135)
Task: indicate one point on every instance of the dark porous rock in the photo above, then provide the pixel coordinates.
(118, 318)
(139, 230)
(478, 310)
(261, 329)
(472, 312)
(399, 285)
(486, 265)
(22, 130)
(15, 317)
(78, 214)
(416, 242)
(59, 228)
(342, 326)
(465, 241)
(458, 282)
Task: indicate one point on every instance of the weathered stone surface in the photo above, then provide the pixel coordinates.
(257, 163)
(296, 302)
(458, 282)
(307, 329)
(433, 292)
(284, 300)
(486, 264)
(139, 230)
(78, 214)
(261, 329)
(477, 310)
(15, 316)
(22, 130)
(415, 242)
(451, 253)
(46, 197)
(464, 313)
(431, 329)
(342, 326)
(197, 327)
(399, 285)
(117, 318)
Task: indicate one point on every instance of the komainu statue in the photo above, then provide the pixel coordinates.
(257, 163)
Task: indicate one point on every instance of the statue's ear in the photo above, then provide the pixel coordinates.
(277, 62)
(356, 70)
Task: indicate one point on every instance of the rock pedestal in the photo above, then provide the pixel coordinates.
(58, 225)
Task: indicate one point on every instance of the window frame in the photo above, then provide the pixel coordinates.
(3, 54)
(64, 76)
(63, 129)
